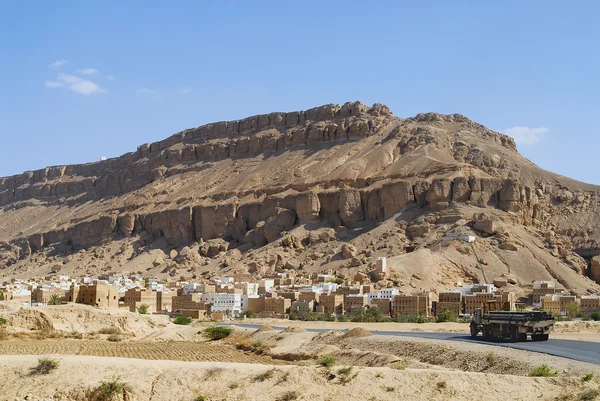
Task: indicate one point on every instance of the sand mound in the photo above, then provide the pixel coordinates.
(357, 332)
(265, 327)
(294, 329)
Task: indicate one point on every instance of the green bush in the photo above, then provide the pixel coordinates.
(543, 370)
(3, 321)
(200, 397)
(249, 314)
(327, 361)
(143, 309)
(445, 316)
(588, 377)
(45, 366)
(398, 367)
(370, 315)
(217, 332)
(110, 388)
(595, 316)
(491, 358)
(182, 320)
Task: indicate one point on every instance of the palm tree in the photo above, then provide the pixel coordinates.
(55, 300)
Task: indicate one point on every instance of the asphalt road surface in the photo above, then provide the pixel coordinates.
(584, 351)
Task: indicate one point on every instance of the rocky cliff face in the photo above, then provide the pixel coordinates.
(249, 182)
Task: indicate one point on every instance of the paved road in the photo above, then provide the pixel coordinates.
(584, 351)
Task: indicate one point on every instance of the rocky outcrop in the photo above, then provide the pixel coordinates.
(252, 136)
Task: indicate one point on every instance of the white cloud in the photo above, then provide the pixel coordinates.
(53, 84)
(58, 63)
(153, 93)
(75, 84)
(87, 71)
(526, 135)
(111, 78)
(185, 90)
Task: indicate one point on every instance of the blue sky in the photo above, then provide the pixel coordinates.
(81, 80)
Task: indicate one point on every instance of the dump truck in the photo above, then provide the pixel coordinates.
(498, 324)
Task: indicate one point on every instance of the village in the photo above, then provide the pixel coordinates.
(288, 295)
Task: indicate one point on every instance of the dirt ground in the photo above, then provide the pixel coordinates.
(78, 376)
(162, 361)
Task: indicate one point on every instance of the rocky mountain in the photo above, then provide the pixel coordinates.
(326, 189)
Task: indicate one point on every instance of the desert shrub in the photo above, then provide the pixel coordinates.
(76, 335)
(249, 314)
(217, 332)
(110, 330)
(491, 358)
(182, 320)
(266, 375)
(418, 318)
(49, 333)
(327, 361)
(346, 374)
(55, 300)
(398, 367)
(589, 395)
(143, 309)
(390, 389)
(595, 316)
(588, 377)
(441, 385)
(110, 388)
(115, 338)
(342, 319)
(521, 307)
(288, 396)
(445, 316)
(233, 385)
(3, 321)
(379, 375)
(200, 397)
(45, 366)
(543, 370)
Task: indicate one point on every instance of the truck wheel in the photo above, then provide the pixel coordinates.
(474, 331)
(522, 336)
(537, 337)
(544, 337)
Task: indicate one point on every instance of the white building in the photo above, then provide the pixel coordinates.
(385, 293)
(223, 302)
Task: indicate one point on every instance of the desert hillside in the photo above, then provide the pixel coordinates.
(326, 189)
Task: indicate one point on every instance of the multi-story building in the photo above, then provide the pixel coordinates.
(541, 288)
(99, 295)
(551, 304)
(474, 301)
(277, 306)
(136, 297)
(223, 302)
(383, 304)
(590, 304)
(188, 302)
(302, 307)
(332, 303)
(408, 305)
(355, 302)
(43, 295)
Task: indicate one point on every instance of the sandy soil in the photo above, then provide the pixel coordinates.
(78, 376)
